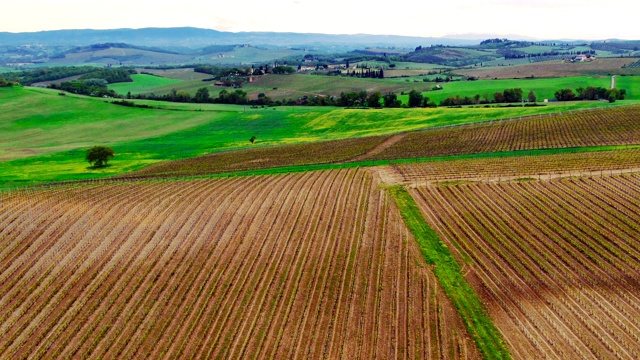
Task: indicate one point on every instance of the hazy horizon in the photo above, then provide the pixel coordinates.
(544, 19)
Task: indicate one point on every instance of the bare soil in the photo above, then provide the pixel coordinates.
(310, 265)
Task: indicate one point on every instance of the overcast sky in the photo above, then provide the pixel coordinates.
(546, 19)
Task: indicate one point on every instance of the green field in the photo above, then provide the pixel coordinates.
(401, 65)
(142, 84)
(183, 74)
(279, 87)
(499, 62)
(43, 134)
(163, 82)
(543, 88)
(298, 85)
(190, 86)
(631, 84)
(247, 55)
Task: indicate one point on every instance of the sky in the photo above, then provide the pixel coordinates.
(542, 19)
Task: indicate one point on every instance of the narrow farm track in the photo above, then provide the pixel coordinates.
(556, 261)
(392, 140)
(310, 265)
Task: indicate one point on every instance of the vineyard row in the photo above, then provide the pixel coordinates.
(311, 265)
(556, 261)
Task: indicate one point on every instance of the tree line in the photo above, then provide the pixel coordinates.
(29, 77)
(92, 82)
(518, 54)
(366, 73)
(514, 95)
(390, 100)
(89, 87)
(346, 99)
(590, 93)
(96, 82)
(202, 95)
(110, 75)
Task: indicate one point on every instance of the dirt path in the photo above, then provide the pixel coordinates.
(378, 149)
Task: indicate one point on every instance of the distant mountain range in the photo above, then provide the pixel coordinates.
(196, 38)
(480, 37)
(189, 45)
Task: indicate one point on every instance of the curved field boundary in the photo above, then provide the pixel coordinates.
(409, 171)
(480, 326)
(313, 265)
(262, 158)
(557, 262)
(615, 126)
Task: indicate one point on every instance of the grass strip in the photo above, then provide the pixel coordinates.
(8, 185)
(447, 271)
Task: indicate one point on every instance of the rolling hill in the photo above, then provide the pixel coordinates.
(197, 37)
(339, 233)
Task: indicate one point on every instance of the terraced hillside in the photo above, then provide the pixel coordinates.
(618, 126)
(556, 262)
(311, 265)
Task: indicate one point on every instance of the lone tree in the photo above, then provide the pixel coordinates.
(98, 156)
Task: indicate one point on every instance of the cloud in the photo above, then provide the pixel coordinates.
(222, 23)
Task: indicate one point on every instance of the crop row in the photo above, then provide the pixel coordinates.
(447, 271)
(311, 265)
(262, 158)
(513, 167)
(635, 64)
(557, 261)
(614, 126)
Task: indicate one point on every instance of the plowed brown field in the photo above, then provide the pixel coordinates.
(602, 66)
(504, 168)
(557, 262)
(312, 265)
